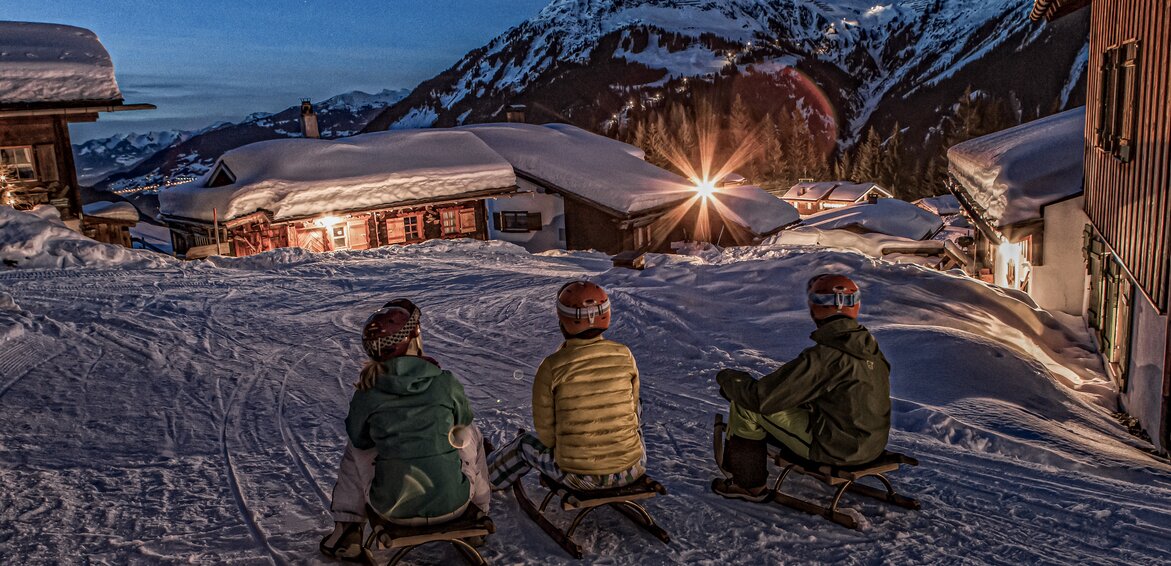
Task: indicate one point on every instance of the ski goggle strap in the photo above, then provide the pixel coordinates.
(839, 299)
(589, 312)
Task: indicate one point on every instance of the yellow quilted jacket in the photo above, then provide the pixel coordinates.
(585, 407)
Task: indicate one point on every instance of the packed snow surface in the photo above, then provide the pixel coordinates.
(53, 63)
(194, 412)
(888, 216)
(294, 178)
(591, 166)
(1011, 174)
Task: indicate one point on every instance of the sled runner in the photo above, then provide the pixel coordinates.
(472, 524)
(584, 502)
(842, 478)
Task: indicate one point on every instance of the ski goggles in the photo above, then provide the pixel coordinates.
(588, 312)
(840, 300)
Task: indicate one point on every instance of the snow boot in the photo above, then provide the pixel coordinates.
(747, 462)
(344, 543)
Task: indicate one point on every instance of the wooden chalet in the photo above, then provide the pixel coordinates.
(1128, 198)
(811, 197)
(50, 76)
(355, 193)
(581, 191)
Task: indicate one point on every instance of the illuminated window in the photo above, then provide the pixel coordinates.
(338, 234)
(20, 161)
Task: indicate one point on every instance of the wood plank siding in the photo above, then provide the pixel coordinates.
(1127, 197)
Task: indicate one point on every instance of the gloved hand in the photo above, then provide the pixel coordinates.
(726, 377)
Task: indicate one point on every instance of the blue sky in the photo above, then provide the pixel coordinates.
(205, 61)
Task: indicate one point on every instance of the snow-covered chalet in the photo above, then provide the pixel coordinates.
(1125, 242)
(546, 187)
(52, 75)
(811, 197)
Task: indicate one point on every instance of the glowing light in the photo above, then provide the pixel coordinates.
(705, 188)
(327, 221)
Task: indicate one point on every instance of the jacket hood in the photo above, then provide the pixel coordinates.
(846, 335)
(407, 375)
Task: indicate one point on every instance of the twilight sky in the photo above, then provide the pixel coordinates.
(209, 60)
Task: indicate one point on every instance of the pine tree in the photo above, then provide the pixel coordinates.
(868, 158)
(893, 174)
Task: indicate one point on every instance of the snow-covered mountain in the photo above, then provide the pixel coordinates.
(858, 63)
(133, 160)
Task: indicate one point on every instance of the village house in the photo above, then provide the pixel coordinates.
(50, 76)
(810, 197)
(580, 190)
(1022, 190)
(1127, 168)
(353, 193)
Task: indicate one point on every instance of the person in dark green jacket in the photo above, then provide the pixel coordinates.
(831, 404)
(413, 453)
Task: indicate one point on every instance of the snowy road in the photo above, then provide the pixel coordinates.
(194, 413)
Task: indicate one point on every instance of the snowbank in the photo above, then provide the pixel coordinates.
(1011, 174)
(751, 207)
(53, 63)
(120, 210)
(300, 177)
(588, 165)
(888, 216)
(39, 240)
(879, 246)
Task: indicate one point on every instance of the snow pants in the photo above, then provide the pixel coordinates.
(356, 473)
(790, 427)
(513, 460)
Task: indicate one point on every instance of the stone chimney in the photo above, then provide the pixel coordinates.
(516, 113)
(308, 120)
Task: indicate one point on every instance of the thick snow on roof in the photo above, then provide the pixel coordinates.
(753, 208)
(590, 137)
(888, 216)
(53, 63)
(120, 210)
(831, 190)
(588, 165)
(1011, 174)
(299, 177)
(941, 205)
(39, 240)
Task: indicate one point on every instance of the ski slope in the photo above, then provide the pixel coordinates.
(194, 412)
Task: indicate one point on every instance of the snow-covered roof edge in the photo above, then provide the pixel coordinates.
(43, 64)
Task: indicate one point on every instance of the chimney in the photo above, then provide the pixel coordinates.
(516, 113)
(308, 120)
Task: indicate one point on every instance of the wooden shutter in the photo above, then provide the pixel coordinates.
(45, 163)
(358, 237)
(467, 220)
(1128, 100)
(497, 222)
(535, 223)
(395, 234)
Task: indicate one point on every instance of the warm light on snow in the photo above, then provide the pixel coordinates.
(327, 221)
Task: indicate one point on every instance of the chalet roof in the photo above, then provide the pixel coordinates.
(888, 216)
(300, 177)
(1010, 175)
(587, 165)
(1053, 9)
(51, 64)
(845, 191)
(753, 208)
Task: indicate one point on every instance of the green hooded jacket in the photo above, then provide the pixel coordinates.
(407, 416)
(843, 379)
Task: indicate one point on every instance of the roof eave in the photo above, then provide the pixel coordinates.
(71, 110)
(1050, 10)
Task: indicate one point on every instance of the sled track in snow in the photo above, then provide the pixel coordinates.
(292, 446)
(16, 360)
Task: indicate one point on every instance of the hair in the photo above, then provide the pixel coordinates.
(584, 334)
(374, 369)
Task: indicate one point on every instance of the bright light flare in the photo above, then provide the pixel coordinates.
(705, 188)
(328, 221)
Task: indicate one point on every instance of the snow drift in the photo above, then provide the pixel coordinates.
(39, 240)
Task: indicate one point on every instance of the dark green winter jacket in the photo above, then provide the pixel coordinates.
(844, 379)
(407, 416)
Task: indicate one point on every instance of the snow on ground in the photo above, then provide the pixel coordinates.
(888, 216)
(39, 240)
(194, 412)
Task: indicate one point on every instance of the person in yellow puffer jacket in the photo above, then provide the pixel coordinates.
(585, 405)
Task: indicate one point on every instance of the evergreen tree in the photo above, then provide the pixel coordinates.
(893, 174)
(868, 158)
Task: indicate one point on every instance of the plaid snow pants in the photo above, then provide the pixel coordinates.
(513, 460)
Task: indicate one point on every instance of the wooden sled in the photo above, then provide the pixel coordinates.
(842, 478)
(584, 502)
(384, 534)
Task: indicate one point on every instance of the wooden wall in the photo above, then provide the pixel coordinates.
(1129, 203)
(56, 175)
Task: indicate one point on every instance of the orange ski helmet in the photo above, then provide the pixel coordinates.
(831, 294)
(582, 305)
(388, 332)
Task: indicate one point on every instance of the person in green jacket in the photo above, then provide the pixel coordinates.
(830, 405)
(413, 453)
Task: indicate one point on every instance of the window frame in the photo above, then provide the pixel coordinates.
(30, 165)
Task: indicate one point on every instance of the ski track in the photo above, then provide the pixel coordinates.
(253, 369)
